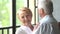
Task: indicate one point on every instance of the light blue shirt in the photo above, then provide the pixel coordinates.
(48, 25)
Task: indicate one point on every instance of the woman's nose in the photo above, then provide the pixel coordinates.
(26, 18)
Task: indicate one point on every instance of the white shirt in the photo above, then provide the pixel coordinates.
(48, 25)
(24, 30)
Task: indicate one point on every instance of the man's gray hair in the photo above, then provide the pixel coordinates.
(47, 5)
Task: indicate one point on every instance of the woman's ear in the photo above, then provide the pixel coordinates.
(18, 16)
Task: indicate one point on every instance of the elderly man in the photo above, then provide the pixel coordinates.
(48, 24)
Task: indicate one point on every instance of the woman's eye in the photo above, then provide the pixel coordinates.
(28, 15)
(23, 17)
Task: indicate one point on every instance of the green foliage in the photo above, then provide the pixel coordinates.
(19, 4)
(0, 31)
(4, 13)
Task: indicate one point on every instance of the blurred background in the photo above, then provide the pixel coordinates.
(6, 13)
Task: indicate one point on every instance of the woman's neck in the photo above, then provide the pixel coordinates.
(29, 25)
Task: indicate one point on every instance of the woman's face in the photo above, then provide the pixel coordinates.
(25, 18)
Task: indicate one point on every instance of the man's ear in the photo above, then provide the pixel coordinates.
(42, 11)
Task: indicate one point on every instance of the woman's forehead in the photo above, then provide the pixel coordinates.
(23, 13)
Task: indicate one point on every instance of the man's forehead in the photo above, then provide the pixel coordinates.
(44, 0)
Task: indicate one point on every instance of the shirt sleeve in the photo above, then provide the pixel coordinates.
(43, 29)
(46, 29)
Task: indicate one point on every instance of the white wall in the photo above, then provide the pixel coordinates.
(56, 13)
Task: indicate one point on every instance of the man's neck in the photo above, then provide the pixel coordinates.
(43, 15)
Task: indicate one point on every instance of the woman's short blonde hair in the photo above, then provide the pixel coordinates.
(24, 9)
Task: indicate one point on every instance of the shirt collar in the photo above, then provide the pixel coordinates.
(45, 18)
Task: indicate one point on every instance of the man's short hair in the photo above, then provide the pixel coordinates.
(47, 5)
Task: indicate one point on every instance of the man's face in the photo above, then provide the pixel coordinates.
(41, 12)
(25, 17)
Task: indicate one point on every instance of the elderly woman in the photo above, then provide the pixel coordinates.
(25, 16)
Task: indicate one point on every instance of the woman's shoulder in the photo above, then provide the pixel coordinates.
(20, 31)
